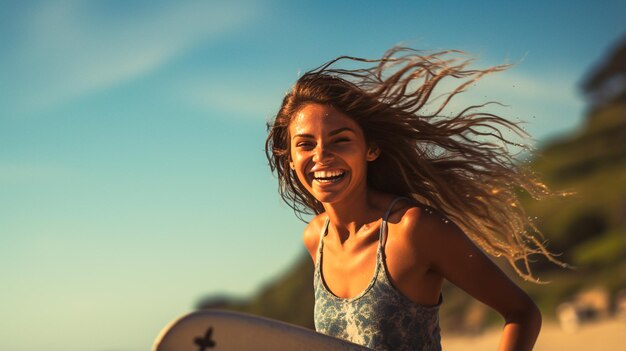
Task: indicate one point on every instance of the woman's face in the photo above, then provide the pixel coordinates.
(329, 153)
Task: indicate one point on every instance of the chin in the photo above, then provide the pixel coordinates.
(330, 197)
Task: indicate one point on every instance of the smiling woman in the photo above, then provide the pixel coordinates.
(404, 198)
(329, 152)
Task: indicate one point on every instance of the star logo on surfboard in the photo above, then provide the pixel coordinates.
(205, 342)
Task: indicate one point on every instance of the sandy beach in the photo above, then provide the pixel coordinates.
(607, 335)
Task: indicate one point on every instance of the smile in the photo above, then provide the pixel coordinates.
(328, 176)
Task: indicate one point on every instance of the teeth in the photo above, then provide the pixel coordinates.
(327, 174)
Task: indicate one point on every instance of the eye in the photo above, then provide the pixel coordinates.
(342, 140)
(304, 144)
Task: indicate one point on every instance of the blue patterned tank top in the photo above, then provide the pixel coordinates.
(380, 317)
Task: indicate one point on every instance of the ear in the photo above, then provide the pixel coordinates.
(372, 153)
(292, 166)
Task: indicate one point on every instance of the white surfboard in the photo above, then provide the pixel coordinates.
(219, 330)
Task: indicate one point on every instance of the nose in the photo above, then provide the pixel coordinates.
(322, 154)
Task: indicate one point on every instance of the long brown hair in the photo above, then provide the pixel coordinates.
(459, 164)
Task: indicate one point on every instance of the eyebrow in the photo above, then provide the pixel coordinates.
(334, 132)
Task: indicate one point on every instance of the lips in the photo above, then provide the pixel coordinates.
(328, 176)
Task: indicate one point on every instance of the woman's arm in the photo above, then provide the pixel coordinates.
(521, 329)
(453, 255)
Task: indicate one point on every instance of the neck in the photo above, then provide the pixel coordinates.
(349, 215)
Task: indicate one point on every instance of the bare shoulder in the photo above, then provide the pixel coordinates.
(311, 235)
(423, 230)
(417, 221)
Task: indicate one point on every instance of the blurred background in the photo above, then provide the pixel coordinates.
(134, 186)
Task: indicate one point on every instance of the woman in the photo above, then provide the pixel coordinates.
(403, 198)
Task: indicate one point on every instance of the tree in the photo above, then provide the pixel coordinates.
(607, 82)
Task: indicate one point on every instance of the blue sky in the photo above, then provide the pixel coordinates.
(132, 175)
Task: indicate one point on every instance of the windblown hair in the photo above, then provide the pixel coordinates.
(459, 164)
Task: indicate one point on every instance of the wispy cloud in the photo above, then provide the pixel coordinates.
(537, 89)
(243, 100)
(71, 48)
(508, 87)
(544, 104)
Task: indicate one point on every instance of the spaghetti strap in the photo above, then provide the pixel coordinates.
(321, 241)
(324, 229)
(388, 212)
(383, 226)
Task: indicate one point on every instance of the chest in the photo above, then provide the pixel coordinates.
(348, 272)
